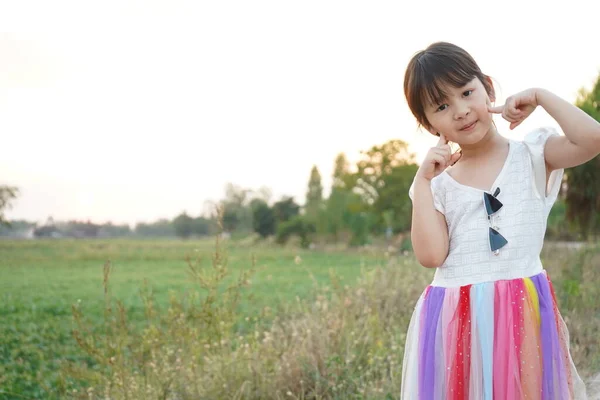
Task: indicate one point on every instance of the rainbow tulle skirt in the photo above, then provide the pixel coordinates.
(495, 340)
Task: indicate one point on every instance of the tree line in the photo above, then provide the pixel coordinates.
(366, 200)
(370, 199)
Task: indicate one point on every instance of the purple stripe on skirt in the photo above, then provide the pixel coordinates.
(553, 370)
(430, 318)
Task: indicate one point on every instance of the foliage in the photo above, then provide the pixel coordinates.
(285, 209)
(583, 181)
(382, 180)
(314, 195)
(184, 225)
(161, 228)
(236, 214)
(79, 229)
(202, 226)
(16, 228)
(7, 194)
(336, 206)
(298, 226)
(263, 218)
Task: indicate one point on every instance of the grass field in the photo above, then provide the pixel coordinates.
(42, 280)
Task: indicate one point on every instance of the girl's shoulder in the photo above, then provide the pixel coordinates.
(534, 142)
(437, 191)
(537, 137)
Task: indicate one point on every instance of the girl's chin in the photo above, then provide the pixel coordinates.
(473, 136)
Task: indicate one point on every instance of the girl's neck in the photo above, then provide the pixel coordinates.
(488, 144)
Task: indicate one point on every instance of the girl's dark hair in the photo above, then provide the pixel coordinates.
(441, 64)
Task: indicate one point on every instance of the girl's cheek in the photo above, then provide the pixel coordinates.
(483, 108)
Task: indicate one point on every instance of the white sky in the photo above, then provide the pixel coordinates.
(135, 110)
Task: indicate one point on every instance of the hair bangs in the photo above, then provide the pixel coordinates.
(439, 73)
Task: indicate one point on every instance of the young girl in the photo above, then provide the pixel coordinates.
(488, 326)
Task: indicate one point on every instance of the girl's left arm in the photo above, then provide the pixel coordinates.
(581, 142)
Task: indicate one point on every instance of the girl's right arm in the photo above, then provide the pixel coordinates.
(429, 232)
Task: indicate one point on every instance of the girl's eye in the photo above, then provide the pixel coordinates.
(467, 93)
(442, 107)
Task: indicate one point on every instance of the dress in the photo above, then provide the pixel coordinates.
(488, 326)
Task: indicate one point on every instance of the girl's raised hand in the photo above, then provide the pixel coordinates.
(438, 158)
(517, 107)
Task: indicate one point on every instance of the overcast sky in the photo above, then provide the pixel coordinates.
(136, 110)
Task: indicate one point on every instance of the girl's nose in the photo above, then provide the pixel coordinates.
(462, 112)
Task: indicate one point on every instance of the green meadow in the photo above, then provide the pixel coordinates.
(299, 323)
(42, 279)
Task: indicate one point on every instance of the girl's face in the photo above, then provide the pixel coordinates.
(463, 116)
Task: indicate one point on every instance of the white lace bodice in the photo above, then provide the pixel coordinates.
(522, 220)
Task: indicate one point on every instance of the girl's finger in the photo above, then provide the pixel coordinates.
(455, 157)
(511, 107)
(446, 148)
(443, 152)
(437, 157)
(442, 140)
(440, 160)
(496, 110)
(514, 112)
(509, 117)
(515, 124)
(453, 146)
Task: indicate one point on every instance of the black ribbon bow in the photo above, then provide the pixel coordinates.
(492, 206)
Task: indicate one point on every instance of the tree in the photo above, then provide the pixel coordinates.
(296, 226)
(231, 217)
(17, 228)
(360, 224)
(392, 205)
(341, 171)
(183, 225)
(376, 165)
(201, 226)
(161, 228)
(583, 182)
(263, 193)
(49, 229)
(237, 215)
(339, 197)
(263, 218)
(383, 177)
(110, 230)
(79, 229)
(314, 194)
(7, 194)
(236, 195)
(285, 209)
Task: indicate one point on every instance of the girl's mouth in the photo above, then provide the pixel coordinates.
(468, 127)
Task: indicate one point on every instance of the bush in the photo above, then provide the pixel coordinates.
(298, 226)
